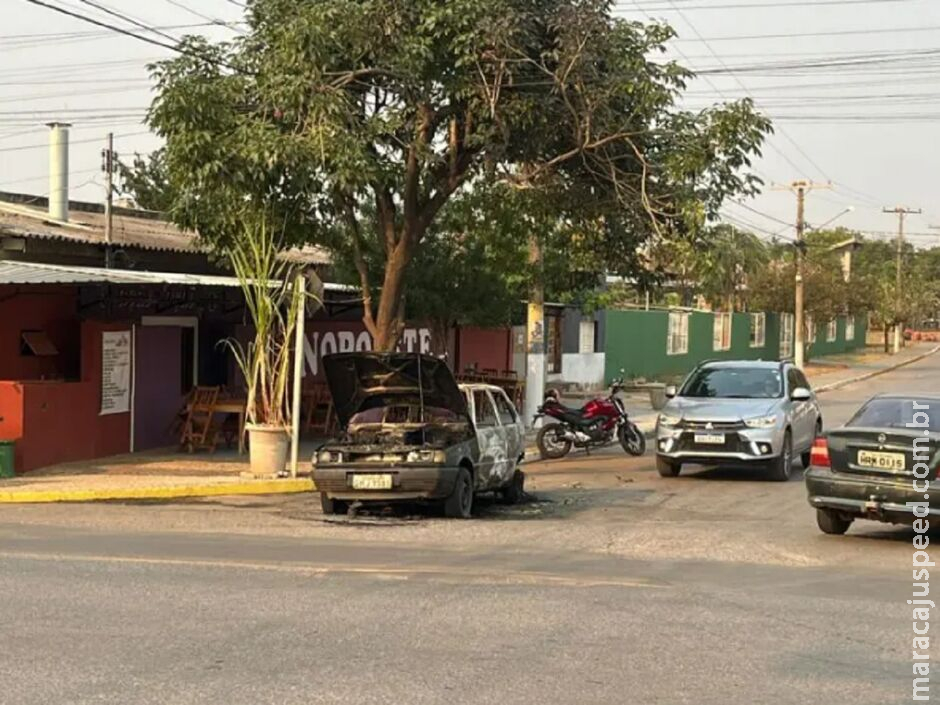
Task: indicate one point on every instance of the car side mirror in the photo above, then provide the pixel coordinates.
(801, 394)
(671, 391)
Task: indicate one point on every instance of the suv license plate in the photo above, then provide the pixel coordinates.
(715, 439)
(372, 482)
(881, 461)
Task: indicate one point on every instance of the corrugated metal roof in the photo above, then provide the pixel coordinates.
(21, 273)
(128, 230)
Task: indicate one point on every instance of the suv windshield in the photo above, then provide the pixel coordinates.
(734, 383)
(892, 413)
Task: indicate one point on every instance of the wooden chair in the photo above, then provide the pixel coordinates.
(200, 430)
(179, 421)
(319, 410)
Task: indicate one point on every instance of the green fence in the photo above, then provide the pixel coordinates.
(637, 342)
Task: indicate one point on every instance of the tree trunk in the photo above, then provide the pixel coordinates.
(886, 338)
(389, 320)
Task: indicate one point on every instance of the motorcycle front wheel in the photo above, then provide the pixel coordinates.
(552, 442)
(632, 439)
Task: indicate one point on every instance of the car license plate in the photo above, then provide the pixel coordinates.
(881, 461)
(372, 482)
(714, 439)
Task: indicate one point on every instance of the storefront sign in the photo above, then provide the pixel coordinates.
(352, 338)
(115, 372)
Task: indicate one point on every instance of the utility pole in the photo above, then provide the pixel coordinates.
(800, 188)
(108, 163)
(535, 335)
(901, 213)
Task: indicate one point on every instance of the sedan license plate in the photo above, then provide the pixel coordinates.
(372, 482)
(714, 439)
(881, 461)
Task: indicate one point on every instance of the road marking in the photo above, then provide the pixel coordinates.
(508, 577)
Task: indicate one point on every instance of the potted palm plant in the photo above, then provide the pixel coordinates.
(273, 305)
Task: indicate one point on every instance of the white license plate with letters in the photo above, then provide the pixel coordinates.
(372, 482)
(712, 439)
(881, 461)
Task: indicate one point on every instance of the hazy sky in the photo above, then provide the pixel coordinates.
(869, 124)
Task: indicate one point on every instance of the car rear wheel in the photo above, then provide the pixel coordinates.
(460, 503)
(668, 468)
(332, 506)
(782, 465)
(830, 522)
(514, 492)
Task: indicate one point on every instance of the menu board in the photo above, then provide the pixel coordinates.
(115, 372)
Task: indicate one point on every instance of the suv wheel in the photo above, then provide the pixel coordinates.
(668, 468)
(332, 506)
(805, 457)
(782, 465)
(831, 523)
(460, 503)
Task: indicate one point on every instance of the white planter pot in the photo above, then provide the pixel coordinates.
(268, 448)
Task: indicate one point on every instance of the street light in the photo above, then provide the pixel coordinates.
(834, 218)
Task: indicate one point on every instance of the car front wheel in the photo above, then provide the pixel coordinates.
(830, 522)
(782, 465)
(332, 506)
(667, 468)
(460, 503)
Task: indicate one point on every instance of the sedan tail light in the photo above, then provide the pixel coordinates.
(819, 455)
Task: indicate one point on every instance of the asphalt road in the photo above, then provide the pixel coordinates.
(614, 586)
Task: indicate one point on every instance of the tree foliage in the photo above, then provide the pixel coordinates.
(358, 122)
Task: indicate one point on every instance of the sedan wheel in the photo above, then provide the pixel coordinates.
(831, 523)
(460, 503)
(805, 457)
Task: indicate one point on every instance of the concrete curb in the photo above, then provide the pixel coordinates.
(868, 375)
(255, 487)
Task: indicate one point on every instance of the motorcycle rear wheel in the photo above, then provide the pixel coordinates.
(551, 443)
(632, 439)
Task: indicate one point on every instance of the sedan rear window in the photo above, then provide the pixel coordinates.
(895, 413)
(734, 383)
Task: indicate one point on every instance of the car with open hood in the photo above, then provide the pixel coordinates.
(410, 433)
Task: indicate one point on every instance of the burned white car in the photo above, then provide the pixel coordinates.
(411, 434)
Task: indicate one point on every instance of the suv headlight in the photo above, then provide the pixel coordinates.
(425, 456)
(329, 456)
(667, 420)
(761, 422)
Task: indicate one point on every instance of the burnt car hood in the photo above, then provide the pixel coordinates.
(360, 381)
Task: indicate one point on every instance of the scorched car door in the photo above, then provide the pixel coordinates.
(489, 435)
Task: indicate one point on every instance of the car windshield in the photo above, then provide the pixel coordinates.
(734, 383)
(404, 414)
(896, 413)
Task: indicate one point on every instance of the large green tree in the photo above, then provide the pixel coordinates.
(359, 121)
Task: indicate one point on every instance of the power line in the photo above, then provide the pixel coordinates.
(789, 3)
(137, 23)
(205, 17)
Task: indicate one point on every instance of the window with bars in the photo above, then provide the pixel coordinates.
(722, 332)
(677, 342)
(758, 330)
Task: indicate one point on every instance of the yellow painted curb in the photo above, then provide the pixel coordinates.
(178, 492)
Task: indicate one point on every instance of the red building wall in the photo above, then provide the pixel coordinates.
(52, 310)
(484, 348)
(58, 422)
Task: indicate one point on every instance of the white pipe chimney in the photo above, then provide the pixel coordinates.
(59, 170)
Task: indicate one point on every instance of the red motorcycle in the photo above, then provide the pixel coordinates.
(598, 423)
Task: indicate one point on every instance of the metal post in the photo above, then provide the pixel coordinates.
(535, 337)
(300, 290)
(108, 165)
(798, 324)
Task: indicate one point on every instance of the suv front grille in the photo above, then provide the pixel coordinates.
(720, 426)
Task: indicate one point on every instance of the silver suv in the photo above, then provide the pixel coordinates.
(739, 413)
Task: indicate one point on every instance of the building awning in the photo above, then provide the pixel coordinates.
(24, 273)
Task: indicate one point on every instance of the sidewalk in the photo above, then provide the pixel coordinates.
(153, 475)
